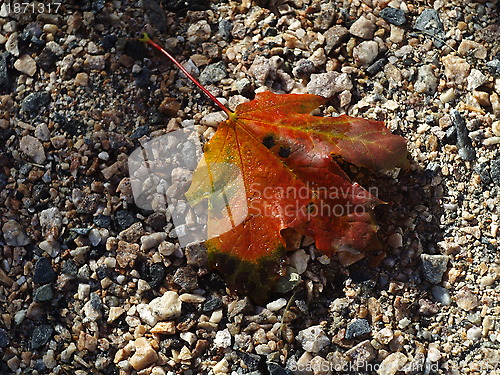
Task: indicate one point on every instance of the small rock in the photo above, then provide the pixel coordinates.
(42, 132)
(313, 339)
(328, 84)
(466, 300)
(376, 66)
(469, 47)
(426, 82)
(4, 338)
(43, 273)
(429, 23)
(43, 293)
(334, 36)
(33, 148)
(363, 28)
(361, 354)
(144, 354)
(263, 69)
(434, 267)
(157, 16)
(299, 260)
(211, 304)
(464, 143)
(25, 64)
(365, 53)
(198, 32)
(392, 364)
(393, 15)
(357, 328)
(12, 45)
(475, 79)
(14, 235)
(167, 306)
(456, 70)
(495, 171)
(152, 240)
(241, 85)
(493, 66)
(213, 73)
(47, 59)
(97, 62)
(4, 73)
(82, 79)
(277, 304)
(303, 68)
(33, 102)
(186, 278)
(223, 339)
(474, 333)
(41, 335)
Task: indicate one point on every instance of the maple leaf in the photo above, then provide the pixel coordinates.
(271, 167)
(290, 181)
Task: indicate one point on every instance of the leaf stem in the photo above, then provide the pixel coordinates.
(146, 39)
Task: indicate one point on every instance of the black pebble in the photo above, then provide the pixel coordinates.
(124, 219)
(376, 66)
(157, 273)
(392, 15)
(4, 338)
(108, 42)
(211, 304)
(47, 59)
(41, 336)
(135, 49)
(102, 221)
(33, 102)
(44, 273)
(495, 171)
(4, 74)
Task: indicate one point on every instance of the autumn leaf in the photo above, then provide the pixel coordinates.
(271, 167)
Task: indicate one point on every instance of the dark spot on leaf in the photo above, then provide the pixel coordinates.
(268, 141)
(284, 152)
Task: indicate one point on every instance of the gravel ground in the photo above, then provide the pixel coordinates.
(92, 284)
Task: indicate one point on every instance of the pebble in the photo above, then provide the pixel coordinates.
(426, 82)
(384, 336)
(393, 15)
(466, 299)
(41, 336)
(361, 354)
(43, 293)
(92, 310)
(365, 53)
(464, 143)
(470, 47)
(213, 73)
(434, 267)
(35, 101)
(144, 354)
(169, 305)
(152, 240)
(186, 277)
(334, 36)
(313, 339)
(82, 79)
(495, 171)
(276, 305)
(299, 260)
(263, 69)
(493, 65)
(223, 339)
(456, 70)
(357, 328)
(328, 84)
(430, 23)
(475, 79)
(33, 148)
(25, 64)
(363, 28)
(12, 45)
(392, 364)
(4, 73)
(43, 272)
(474, 333)
(14, 235)
(42, 132)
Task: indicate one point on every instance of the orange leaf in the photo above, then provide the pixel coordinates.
(269, 167)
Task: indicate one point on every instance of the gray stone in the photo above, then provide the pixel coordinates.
(43, 273)
(430, 24)
(14, 235)
(328, 84)
(4, 338)
(493, 66)
(365, 52)
(464, 143)
(4, 73)
(441, 295)
(213, 73)
(157, 16)
(434, 267)
(392, 15)
(334, 36)
(357, 328)
(495, 171)
(43, 293)
(186, 278)
(33, 148)
(33, 102)
(41, 335)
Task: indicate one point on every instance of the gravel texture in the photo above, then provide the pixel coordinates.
(90, 283)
